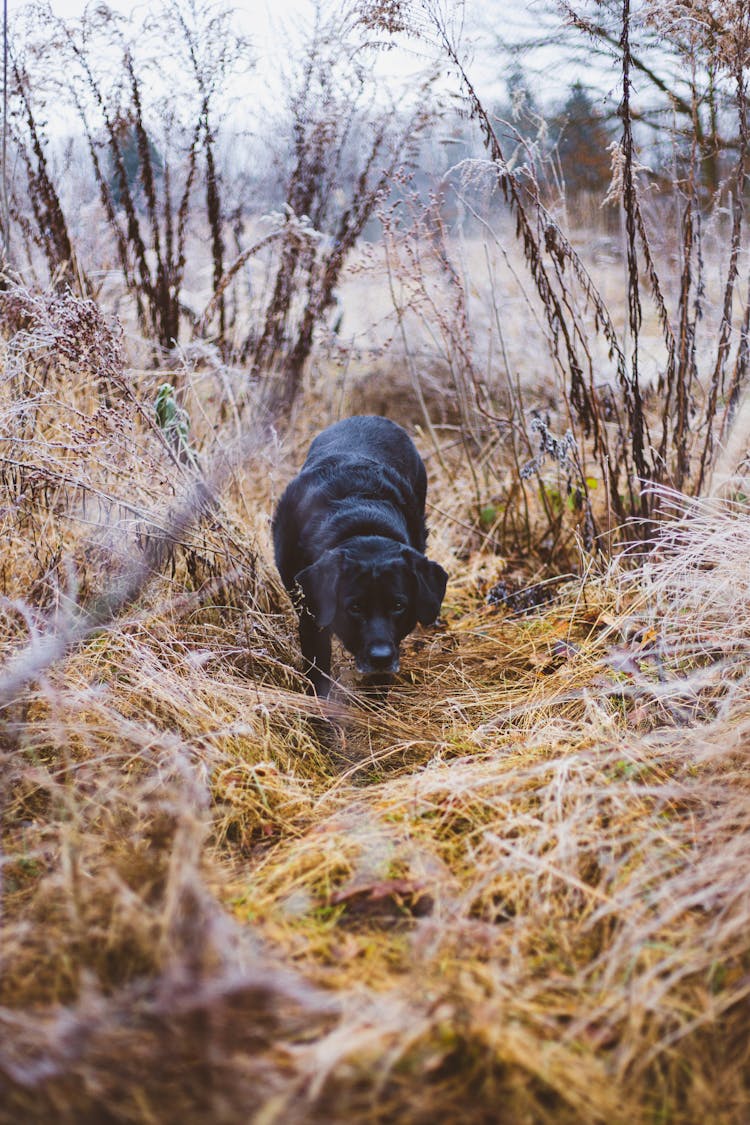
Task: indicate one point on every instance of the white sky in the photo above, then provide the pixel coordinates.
(257, 17)
(274, 26)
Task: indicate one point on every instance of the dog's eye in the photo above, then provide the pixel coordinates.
(399, 606)
(356, 609)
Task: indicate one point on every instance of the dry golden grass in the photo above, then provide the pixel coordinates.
(515, 889)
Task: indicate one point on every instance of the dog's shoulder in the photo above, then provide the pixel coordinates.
(371, 436)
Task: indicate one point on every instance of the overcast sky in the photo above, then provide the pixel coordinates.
(273, 26)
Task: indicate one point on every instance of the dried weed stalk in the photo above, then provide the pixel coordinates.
(615, 415)
(347, 150)
(148, 150)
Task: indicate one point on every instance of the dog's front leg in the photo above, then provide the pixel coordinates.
(316, 651)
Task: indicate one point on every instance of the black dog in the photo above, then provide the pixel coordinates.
(349, 536)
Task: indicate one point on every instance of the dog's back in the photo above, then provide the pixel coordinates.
(362, 475)
(377, 439)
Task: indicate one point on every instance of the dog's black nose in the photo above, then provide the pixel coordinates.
(382, 656)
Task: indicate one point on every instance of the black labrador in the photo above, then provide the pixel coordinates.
(349, 537)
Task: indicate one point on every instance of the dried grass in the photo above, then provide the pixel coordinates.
(512, 890)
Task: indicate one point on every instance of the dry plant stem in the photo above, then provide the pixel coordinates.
(681, 367)
(51, 230)
(4, 155)
(229, 275)
(413, 372)
(739, 374)
(132, 238)
(213, 193)
(150, 233)
(313, 265)
(462, 366)
(517, 415)
(725, 330)
(584, 399)
(79, 623)
(515, 393)
(466, 380)
(633, 402)
(679, 373)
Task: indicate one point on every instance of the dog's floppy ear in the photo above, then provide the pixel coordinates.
(431, 583)
(319, 583)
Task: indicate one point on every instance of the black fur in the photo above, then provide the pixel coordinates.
(349, 536)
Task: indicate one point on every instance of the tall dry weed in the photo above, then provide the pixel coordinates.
(635, 423)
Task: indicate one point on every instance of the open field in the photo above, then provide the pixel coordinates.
(513, 891)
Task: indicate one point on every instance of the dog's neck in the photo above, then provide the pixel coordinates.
(377, 520)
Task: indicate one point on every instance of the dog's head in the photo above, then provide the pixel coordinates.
(371, 593)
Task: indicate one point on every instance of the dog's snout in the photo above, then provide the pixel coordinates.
(382, 656)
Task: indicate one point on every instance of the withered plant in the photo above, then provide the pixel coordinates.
(144, 96)
(347, 147)
(631, 428)
(512, 888)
